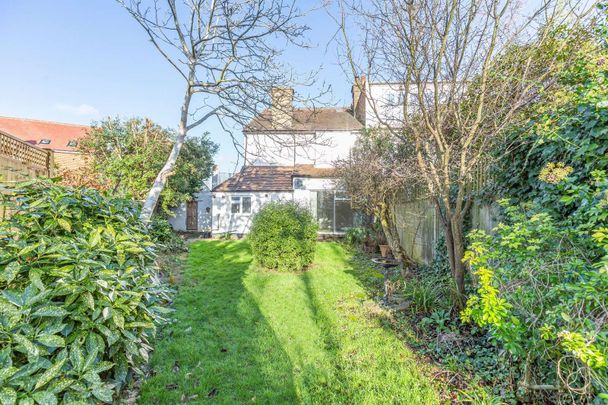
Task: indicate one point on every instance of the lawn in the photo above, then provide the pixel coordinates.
(245, 335)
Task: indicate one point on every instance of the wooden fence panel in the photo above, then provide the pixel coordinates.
(419, 227)
(20, 160)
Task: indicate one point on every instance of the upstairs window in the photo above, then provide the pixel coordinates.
(44, 141)
(240, 205)
(72, 143)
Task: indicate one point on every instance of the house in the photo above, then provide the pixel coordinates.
(288, 157)
(62, 139)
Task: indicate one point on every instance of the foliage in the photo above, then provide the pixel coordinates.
(356, 236)
(79, 297)
(126, 156)
(283, 236)
(545, 300)
(566, 126)
(165, 237)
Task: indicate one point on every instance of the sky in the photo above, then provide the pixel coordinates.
(78, 61)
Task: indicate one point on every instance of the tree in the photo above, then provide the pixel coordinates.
(466, 68)
(376, 170)
(125, 157)
(228, 53)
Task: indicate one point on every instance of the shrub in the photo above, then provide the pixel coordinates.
(542, 297)
(283, 237)
(79, 298)
(165, 237)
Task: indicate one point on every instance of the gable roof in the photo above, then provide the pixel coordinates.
(308, 119)
(34, 131)
(271, 178)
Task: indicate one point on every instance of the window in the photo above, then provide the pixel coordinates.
(240, 205)
(72, 143)
(333, 211)
(44, 141)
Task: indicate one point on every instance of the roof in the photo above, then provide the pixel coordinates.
(308, 119)
(271, 178)
(35, 131)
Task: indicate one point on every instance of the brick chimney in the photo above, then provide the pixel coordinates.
(358, 92)
(281, 109)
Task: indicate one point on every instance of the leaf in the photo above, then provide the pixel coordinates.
(45, 398)
(8, 396)
(49, 374)
(51, 340)
(94, 238)
(64, 224)
(7, 372)
(10, 272)
(103, 393)
(76, 357)
(30, 348)
(89, 300)
(51, 311)
(60, 385)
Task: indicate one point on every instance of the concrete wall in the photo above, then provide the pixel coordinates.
(224, 221)
(319, 149)
(178, 222)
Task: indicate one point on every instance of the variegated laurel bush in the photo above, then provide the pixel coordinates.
(79, 299)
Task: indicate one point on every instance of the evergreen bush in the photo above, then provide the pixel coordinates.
(283, 236)
(79, 298)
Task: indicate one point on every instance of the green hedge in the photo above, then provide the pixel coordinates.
(79, 298)
(283, 237)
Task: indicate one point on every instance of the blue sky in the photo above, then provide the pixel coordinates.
(77, 61)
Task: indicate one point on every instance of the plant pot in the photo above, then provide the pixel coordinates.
(385, 251)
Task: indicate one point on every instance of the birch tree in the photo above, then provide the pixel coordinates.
(464, 69)
(228, 54)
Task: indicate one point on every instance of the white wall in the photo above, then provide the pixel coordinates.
(225, 221)
(384, 102)
(178, 222)
(319, 149)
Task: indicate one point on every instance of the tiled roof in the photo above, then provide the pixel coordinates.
(39, 132)
(271, 178)
(308, 119)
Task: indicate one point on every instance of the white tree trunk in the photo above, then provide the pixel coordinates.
(161, 179)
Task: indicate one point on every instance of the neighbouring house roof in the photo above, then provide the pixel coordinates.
(307, 119)
(271, 178)
(44, 134)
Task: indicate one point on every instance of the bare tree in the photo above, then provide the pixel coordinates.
(228, 54)
(376, 170)
(464, 69)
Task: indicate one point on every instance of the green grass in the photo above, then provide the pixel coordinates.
(245, 335)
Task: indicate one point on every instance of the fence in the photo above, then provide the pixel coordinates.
(420, 228)
(20, 160)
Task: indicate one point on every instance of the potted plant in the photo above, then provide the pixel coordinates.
(385, 249)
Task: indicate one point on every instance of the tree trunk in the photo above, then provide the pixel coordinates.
(161, 179)
(454, 240)
(392, 236)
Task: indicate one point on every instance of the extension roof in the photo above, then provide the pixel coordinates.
(271, 178)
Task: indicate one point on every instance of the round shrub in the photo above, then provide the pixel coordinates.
(283, 236)
(79, 297)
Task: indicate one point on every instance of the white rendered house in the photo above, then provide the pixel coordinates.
(288, 157)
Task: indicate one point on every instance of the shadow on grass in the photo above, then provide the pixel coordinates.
(220, 347)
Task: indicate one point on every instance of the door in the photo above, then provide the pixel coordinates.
(192, 216)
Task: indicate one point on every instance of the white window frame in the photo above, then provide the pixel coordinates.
(240, 201)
